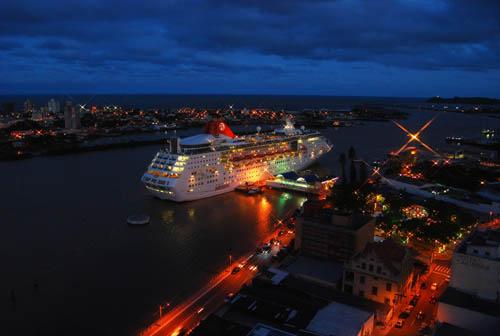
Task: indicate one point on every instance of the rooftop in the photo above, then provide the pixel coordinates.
(389, 252)
(326, 271)
(447, 329)
(458, 298)
(322, 212)
(339, 319)
(215, 325)
(481, 237)
(265, 330)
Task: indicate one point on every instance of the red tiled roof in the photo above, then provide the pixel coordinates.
(389, 252)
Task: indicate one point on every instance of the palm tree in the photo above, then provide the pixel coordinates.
(351, 153)
(353, 174)
(342, 160)
(363, 172)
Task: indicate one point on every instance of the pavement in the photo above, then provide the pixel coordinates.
(187, 315)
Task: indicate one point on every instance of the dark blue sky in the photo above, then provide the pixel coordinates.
(357, 47)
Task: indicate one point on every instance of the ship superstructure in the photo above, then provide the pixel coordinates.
(217, 161)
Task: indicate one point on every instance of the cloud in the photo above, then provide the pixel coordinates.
(271, 38)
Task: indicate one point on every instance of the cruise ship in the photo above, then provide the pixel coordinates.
(218, 161)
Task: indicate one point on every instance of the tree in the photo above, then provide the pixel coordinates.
(363, 172)
(342, 160)
(353, 174)
(351, 153)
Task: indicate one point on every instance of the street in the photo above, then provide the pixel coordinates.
(412, 325)
(192, 311)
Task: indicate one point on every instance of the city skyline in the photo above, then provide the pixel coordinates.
(341, 48)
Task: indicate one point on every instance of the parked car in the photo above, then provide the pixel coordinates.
(404, 315)
(235, 270)
(409, 309)
(423, 285)
(433, 299)
(434, 286)
(229, 297)
(414, 301)
(420, 315)
(399, 323)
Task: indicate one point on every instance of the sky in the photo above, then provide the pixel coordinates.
(407, 48)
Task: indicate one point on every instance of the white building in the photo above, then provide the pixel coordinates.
(54, 106)
(476, 265)
(473, 299)
(381, 273)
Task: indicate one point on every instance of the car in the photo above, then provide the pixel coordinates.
(399, 323)
(413, 302)
(420, 315)
(229, 297)
(433, 299)
(235, 270)
(423, 285)
(404, 315)
(409, 309)
(281, 233)
(434, 286)
(200, 310)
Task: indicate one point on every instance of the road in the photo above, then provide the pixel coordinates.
(207, 300)
(411, 325)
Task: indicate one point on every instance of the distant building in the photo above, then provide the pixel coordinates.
(40, 115)
(54, 106)
(71, 116)
(383, 273)
(322, 232)
(472, 301)
(29, 107)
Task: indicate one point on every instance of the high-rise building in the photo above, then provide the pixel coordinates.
(28, 106)
(54, 106)
(71, 116)
(325, 233)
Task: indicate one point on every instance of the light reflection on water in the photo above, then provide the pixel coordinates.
(64, 228)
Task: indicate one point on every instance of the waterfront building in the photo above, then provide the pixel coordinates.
(383, 272)
(54, 106)
(329, 234)
(71, 116)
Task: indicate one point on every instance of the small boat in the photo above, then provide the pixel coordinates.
(138, 220)
(254, 190)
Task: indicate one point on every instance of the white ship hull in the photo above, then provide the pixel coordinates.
(196, 170)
